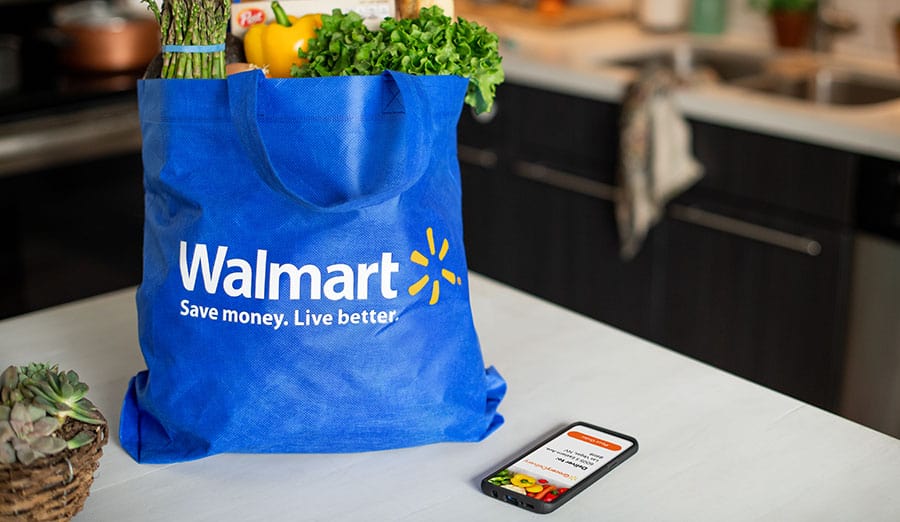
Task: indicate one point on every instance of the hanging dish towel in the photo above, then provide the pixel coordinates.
(656, 162)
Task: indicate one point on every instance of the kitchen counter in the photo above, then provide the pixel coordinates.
(712, 446)
(577, 60)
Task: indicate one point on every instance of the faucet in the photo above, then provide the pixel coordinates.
(829, 22)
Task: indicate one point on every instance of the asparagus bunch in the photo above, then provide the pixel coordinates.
(192, 22)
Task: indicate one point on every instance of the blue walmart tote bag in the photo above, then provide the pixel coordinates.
(305, 285)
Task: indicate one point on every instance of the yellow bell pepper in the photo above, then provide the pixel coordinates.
(275, 45)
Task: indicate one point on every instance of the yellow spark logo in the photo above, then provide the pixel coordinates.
(424, 261)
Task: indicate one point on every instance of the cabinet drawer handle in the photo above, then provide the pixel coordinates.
(564, 180)
(737, 227)
(606, 192)
(484, 158)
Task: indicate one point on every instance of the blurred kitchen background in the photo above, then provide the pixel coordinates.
(782, 264)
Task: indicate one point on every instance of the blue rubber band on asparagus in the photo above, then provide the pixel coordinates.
(214, 48)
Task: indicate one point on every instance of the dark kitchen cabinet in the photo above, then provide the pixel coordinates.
(749, 271)
(878, 198)
(757, 262)
(770, 312)
(480, 148)
(537, 188)
(70, 232)
(11, 269)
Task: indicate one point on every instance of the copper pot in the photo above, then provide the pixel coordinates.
(97, 39)
(125, 46)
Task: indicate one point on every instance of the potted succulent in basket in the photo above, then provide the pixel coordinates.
(51, 439)
(791, 19)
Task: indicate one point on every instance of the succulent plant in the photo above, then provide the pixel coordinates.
(35, 401)
(59, 393)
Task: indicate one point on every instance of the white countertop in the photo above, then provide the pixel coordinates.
(576, 61)
(713, 447)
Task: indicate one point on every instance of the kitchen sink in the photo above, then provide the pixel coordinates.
(687, 60)
(828, 86)
(801, 77)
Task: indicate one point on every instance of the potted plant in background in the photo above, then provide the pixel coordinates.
(51, 439)
(792, 20)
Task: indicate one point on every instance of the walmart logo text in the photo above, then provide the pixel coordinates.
(262, 279)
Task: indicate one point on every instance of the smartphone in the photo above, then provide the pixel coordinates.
(551, 473)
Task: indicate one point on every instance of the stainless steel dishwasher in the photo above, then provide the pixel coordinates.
(871, 393)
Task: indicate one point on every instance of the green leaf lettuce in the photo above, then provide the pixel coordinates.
(430, 44)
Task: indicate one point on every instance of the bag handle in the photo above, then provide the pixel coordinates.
(410, 98)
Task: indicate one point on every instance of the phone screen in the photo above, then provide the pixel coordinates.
(546, 473)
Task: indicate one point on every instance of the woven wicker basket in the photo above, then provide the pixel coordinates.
(55, 487)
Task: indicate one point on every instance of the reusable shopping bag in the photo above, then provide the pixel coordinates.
(305, 285)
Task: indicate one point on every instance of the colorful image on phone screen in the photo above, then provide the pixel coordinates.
(555, 467)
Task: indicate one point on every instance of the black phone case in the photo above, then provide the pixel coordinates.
(538, 506)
